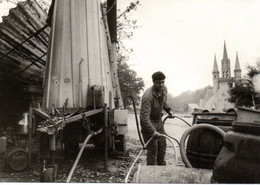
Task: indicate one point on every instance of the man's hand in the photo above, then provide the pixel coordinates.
(156, 134)
(171, 115)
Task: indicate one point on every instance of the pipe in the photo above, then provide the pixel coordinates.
(30, 134)
(137, 157)
(106, 135)
(80, 153)
(187, 133)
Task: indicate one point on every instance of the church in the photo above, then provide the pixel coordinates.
(216, 98)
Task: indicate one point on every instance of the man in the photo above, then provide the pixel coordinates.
(153, 103)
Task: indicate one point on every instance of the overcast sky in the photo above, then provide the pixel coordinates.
(180, 39)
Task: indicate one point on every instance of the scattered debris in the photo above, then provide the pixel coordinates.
(90, 168)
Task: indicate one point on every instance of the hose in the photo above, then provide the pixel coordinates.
(80, 153)
(187, 133)
(178, 118)
(137, 123)
(137, 157)
(172, 118)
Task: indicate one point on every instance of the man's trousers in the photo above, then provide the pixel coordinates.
(156, 150)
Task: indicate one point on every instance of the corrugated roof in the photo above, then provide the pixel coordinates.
(24, 62)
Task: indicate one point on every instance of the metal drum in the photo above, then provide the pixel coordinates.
(171, 174)
(239, 159)
(16, 159)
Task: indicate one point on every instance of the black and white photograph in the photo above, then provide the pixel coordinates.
(130, 91)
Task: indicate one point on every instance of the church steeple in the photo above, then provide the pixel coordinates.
(225, 56)
(215, 74)
(237, 70)
(215, 67)
(226, 72)
(237, 65)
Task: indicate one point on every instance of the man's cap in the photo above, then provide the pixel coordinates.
(158, 76)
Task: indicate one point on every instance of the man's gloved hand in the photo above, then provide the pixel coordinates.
(171, 115)
(156, 134)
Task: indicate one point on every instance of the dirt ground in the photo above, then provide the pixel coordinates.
(91, 166)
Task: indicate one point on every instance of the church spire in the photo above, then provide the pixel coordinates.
(225, 51)
(237, 65)
(225, 64)
(215, 74)
(215, 67)
(237, 70)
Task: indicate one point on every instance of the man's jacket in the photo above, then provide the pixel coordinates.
(151, 110)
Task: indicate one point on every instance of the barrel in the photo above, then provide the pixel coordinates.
(16, 159)
(204, 145)
(171, 174)
(239, 159)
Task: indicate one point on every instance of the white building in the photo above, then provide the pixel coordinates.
(216, 98)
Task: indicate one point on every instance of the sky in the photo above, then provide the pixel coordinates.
(180, 38)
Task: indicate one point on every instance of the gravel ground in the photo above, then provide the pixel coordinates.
(91, 166)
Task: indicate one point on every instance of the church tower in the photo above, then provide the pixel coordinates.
(217, 101)
(225, 63)
(237, 70)
(215, 74)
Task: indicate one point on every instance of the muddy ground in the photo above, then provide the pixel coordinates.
(91, 166)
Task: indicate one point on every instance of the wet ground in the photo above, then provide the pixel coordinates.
(91, 166)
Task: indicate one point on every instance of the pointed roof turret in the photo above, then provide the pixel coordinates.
(225, 51)
(215, 67)
(237, 65)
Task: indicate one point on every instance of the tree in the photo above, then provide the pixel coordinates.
(177, 103)
(130, 83)
(243, 93)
